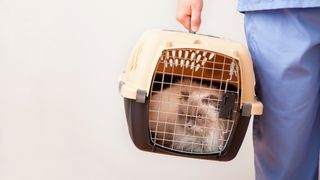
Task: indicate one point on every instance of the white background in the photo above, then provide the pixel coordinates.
(61, 117)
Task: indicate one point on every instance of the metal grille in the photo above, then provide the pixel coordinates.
(186, 101)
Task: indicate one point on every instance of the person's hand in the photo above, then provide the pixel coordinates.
(189, 14)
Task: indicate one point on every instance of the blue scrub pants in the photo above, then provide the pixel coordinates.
(285, 47)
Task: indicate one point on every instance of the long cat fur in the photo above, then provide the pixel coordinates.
(184, 117)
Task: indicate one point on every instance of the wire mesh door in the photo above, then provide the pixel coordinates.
(194, 101)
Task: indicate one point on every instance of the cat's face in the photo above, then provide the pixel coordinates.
(198, 112)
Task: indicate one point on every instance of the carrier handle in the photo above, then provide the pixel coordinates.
(192, 32)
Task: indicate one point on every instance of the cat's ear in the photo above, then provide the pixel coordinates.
(184, 95)
(212, 99)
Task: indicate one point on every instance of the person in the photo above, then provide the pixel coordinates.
(283, 37)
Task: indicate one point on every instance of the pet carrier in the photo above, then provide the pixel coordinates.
(189, 95)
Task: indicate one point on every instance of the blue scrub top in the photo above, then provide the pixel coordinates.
(255, 5)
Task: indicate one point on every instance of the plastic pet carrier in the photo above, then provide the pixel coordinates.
(189, 95)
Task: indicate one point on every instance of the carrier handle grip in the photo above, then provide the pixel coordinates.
(192, 32)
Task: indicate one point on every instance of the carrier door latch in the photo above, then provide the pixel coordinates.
(227, 105)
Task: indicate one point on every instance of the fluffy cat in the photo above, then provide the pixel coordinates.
(185, 117)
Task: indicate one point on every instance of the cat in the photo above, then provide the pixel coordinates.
(185, 117)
